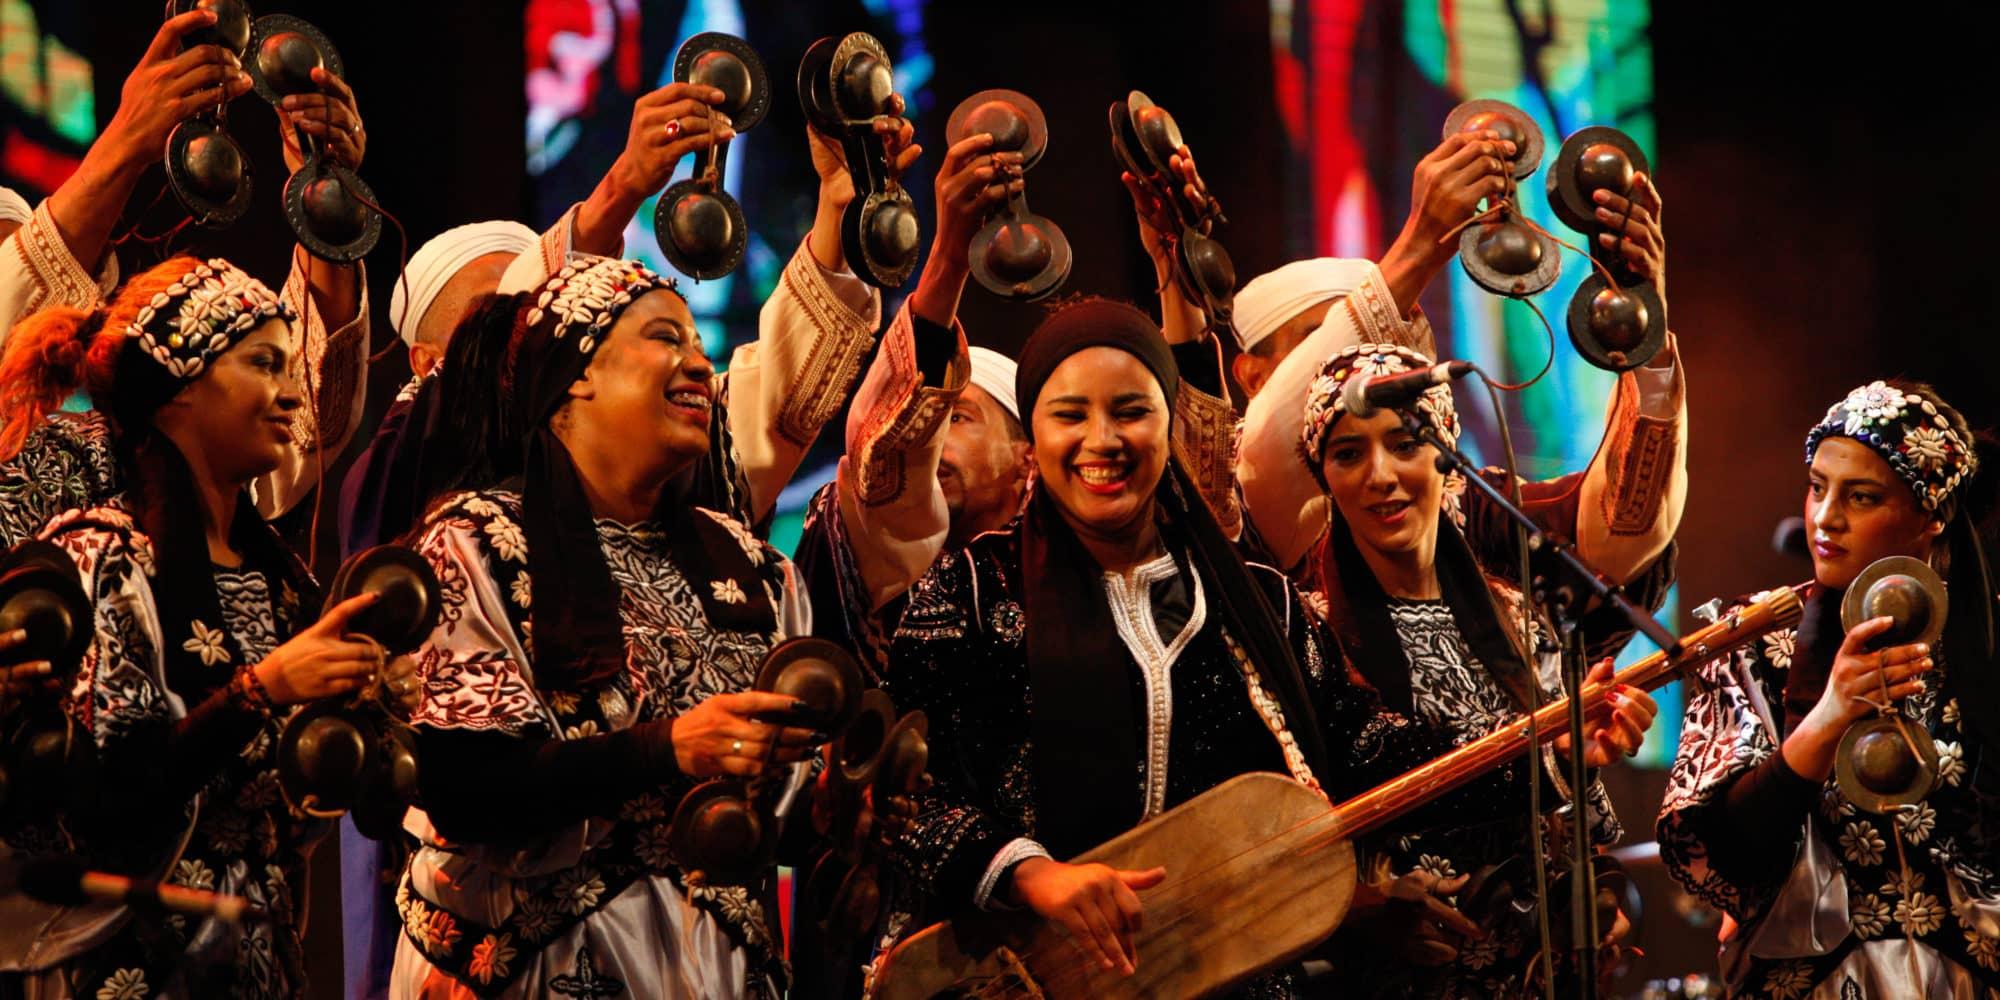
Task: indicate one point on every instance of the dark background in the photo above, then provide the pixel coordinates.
(1826, 181)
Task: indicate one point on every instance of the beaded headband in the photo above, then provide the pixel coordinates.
(590, 292)
(1324, 406)
(202, 314)
(1909, 433)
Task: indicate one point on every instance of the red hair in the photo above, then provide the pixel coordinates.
(57, 351)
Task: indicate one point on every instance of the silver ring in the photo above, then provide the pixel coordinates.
(736, 747)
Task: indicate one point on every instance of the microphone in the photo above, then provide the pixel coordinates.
(63, 881)
(1789, 539)
(1363, 396)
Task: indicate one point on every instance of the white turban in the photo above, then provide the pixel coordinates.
(440, 259)
(1273, 299)
(993, 372)
(14, 208)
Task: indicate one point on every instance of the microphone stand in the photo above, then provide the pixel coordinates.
(1559, 598)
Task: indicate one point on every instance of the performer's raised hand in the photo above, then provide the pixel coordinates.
(331, 116)
(1097, 905)
(971, 183)
(166, 87)
(1156, 218)
(724, 734)
(323, 660)
(836, 182)
(1643, 243)
(1445, 191)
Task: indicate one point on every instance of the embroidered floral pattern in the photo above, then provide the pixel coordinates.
(589, 293)
(1868, 913)
(578, 889)
(728, 591)
(1324, 405)
(208, 643)
(1920, 913)
(125, 984)
(218, 304)
(1908, 432)
(490, 957)
(520, 592)
(1778, 647)
(1862, 845)
(1951, 762)
(1785, 982)
(1916, 822)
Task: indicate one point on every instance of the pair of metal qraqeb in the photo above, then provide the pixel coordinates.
(48, 765)
(359, 754)
(326, 204)
(725, 830)
(700, 225)
(1617, 321)
(846, 86)
(1144, 138)
(1887, 762)
(1017, 254)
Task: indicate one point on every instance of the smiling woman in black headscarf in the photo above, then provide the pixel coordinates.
(594, 659)
(1109, 656)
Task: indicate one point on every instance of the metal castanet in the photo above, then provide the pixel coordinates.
(1017, 254)
(1616, 321)
(1882, 765)
(1144, 138)
(1259, 868)
(846, 86)
(701, 226)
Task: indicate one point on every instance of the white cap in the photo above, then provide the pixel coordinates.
(441, 258)
(1275, 298)
(14, 208)
(993, 372)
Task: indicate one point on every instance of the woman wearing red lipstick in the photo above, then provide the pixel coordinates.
(203, 636)
(593, 661)
(1108, 656)
(1828, 899)
(1436, 627)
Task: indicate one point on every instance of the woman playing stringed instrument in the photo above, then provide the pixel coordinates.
(1835, 895)
(1418, 611)
(1109, 656)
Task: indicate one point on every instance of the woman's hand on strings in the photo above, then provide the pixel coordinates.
(323, 660)
(1618, 722)
(1413, 916)
(1097, 905)
(725, 734)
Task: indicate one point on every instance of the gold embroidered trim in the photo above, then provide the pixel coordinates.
(1377, 320)
(1641, 471)
(325, 363)
(906, 414)
(1206, 437)
(60, 277)
(839, 343)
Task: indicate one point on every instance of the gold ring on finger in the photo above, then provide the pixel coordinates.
(736, 747)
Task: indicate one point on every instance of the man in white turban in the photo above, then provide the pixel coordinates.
(446, 276)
